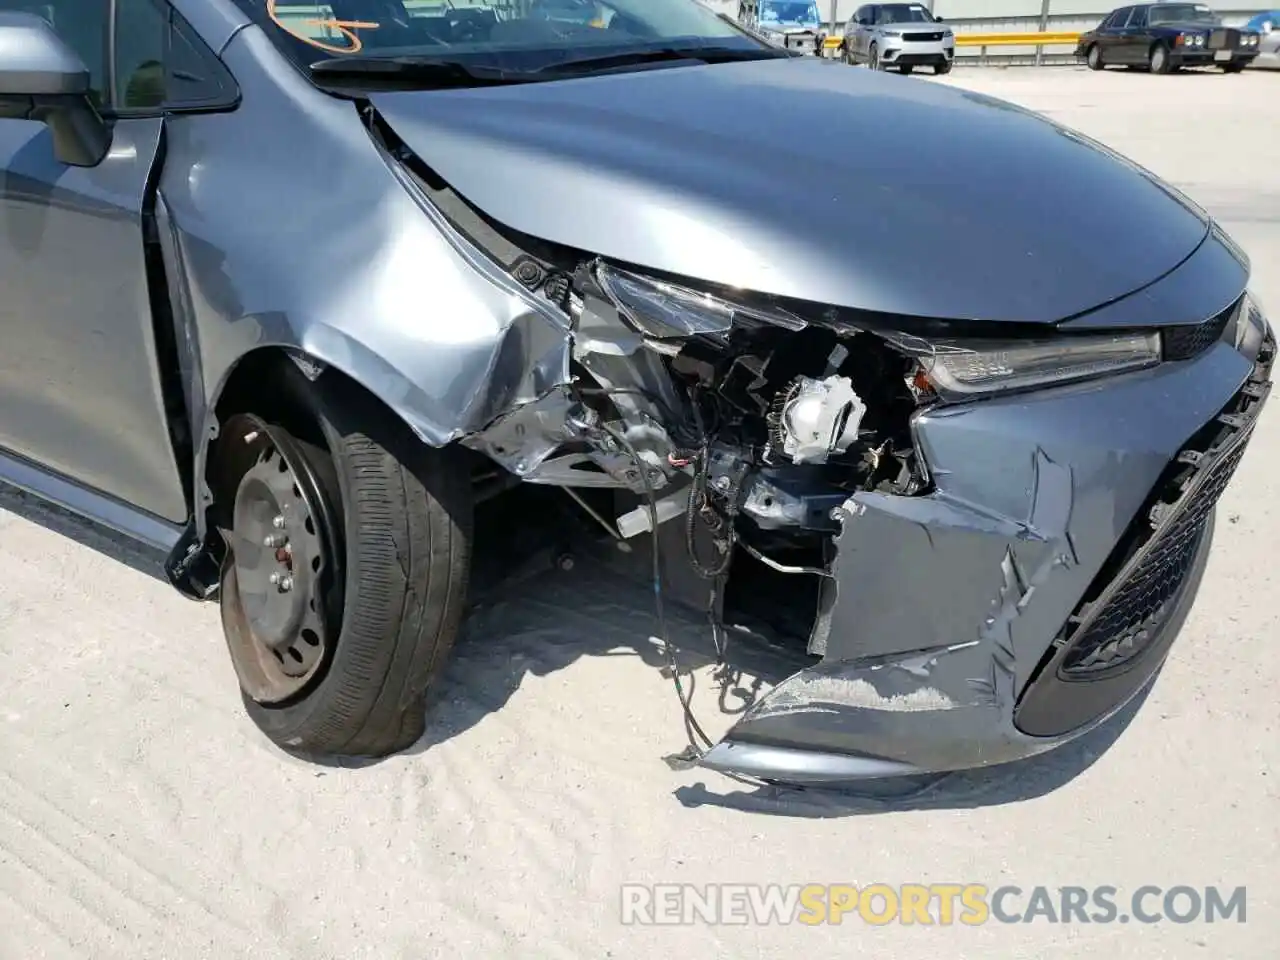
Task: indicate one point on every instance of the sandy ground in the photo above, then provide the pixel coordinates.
(142, 816)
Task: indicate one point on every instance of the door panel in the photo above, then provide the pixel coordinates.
(79, 385)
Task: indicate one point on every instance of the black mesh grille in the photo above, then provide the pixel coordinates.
(1143, 581)
(1133, 615)
(929, 37)
(1185, 342)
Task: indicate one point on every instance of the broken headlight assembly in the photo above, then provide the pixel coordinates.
(958, 369)
(666, 311)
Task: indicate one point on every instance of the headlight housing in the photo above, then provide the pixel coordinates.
(666, 311)
(1249, 328)
(968, 369)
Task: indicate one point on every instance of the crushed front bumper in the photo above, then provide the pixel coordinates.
(1031, 595)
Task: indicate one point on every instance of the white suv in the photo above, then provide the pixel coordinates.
(901, 35)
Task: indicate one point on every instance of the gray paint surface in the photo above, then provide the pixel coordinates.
(917, 199)
(79, 381)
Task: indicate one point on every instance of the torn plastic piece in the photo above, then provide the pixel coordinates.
(640, 520)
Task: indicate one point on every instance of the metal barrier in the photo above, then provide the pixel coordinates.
(985, 40)
(1016, 39)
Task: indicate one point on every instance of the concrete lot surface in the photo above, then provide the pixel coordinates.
(142, 816)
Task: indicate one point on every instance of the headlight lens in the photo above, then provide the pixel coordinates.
(961, 370)
(666, 311)
(1251, 327)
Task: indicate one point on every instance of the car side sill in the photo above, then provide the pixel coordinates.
(89, 504)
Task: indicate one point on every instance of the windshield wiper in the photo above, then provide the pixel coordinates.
(628, 58)
(417, 71)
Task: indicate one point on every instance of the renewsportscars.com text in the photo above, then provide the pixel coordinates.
(936, 904)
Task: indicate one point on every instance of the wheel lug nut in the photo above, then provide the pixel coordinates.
(278, 521)
(275, 540)
(284, 583)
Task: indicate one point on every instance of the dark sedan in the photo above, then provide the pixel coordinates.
(1165, 37)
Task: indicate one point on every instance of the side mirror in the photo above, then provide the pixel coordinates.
(43, 79)
(937, 19)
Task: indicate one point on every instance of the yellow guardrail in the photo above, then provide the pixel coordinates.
(996, 40)
(1016, 39)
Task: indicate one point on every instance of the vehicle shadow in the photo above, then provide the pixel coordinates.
(99, 539)
(544, 619)
(531, 617)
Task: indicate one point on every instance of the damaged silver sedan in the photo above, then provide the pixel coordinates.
(299, 292)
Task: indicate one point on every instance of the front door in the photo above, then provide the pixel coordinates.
(1111, 36)
(1135, 41)
(80, 391)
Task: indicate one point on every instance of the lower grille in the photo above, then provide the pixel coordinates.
(923, 37)
(1153, 560)
(1142, 603)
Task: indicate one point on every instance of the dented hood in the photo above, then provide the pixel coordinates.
(807, 179)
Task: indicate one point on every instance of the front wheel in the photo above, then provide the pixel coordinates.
(345, 578)
(1094, 58)
(905, 70)
(940, 68)
(1232, 67)
(1159, 59)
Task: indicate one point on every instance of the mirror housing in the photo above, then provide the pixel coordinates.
(937, 19)
(43, 79)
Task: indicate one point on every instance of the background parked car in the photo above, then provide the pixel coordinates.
(1165, 37)
(793, 24)
(901, 35)
(1267, 25)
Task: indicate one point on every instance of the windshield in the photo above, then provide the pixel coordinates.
(905, 13)
(508, 34)
(790, 11)
(1182, 13)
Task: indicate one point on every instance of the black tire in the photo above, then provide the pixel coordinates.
(905, 69)
(1159, 60)
(941, 68)
(406, 515)
(1233, 68)
(1093, 57)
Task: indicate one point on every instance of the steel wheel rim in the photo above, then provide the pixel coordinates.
(276, 614)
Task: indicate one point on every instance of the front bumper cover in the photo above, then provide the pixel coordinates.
(955, 623)
(921, 53)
